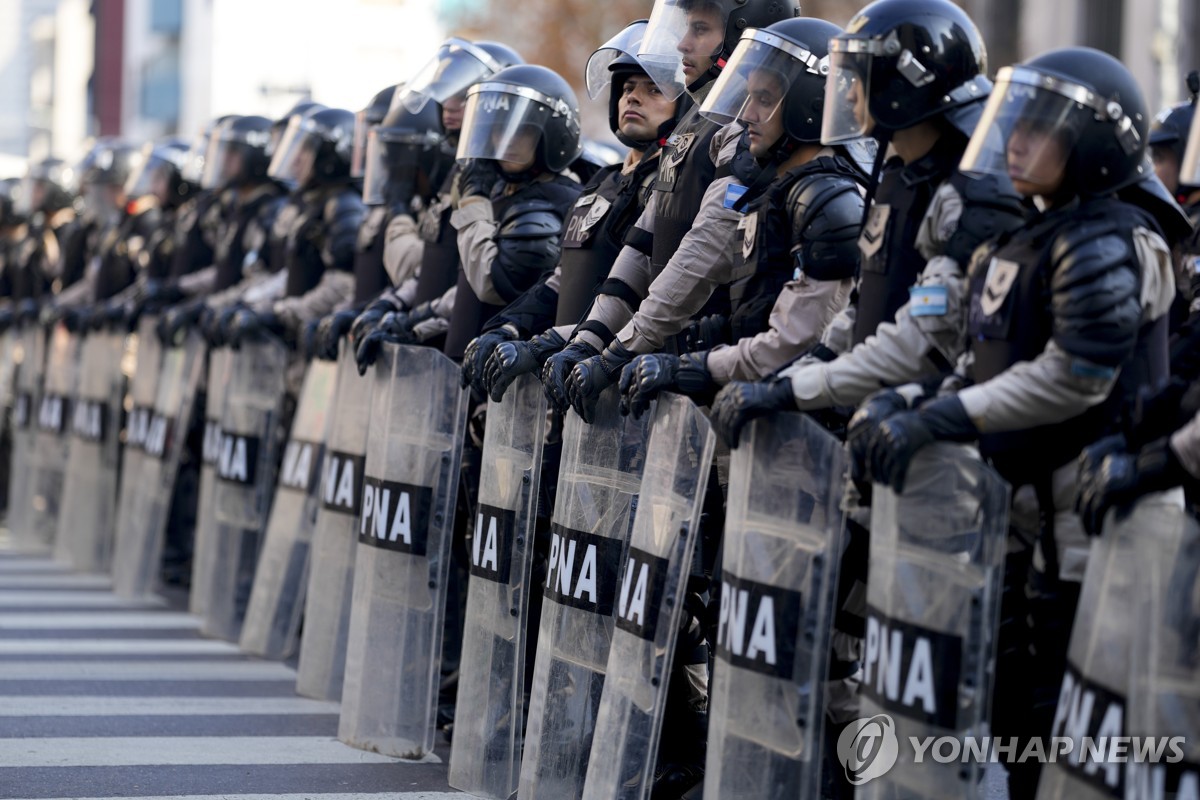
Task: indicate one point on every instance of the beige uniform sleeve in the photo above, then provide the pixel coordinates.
(477, 248)
(198, 283)
(402, 249)
(803, 309)
(335, 287)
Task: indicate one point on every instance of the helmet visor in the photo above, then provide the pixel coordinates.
(393, 156)
(597, 75)
(679, 29)
(1189, 169)
(456, 66)
(504, 123)
(146, 177)
(847, 86)
(755, 82)
(358, 150)
(1029, 127)
(295, 157)
(193, 169)
(225, 164)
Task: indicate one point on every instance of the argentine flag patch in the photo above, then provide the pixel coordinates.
(928, 301)
(732, 193)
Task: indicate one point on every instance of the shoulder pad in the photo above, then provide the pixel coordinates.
(990, 207)
(826, 212)
(531, 219)
(343, 203)
(601, 175)
(1095, 286)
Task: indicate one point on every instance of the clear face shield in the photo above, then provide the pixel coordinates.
(1189, 168)
(1030, 126)
(150, 178)
(296, 155)
(457, 64)
(597, 75)
(358, 151)
(681, 39)
(393, 159)
(193, 170)
(847, 88)
(753, 85)
(225, 162)
(505, 123)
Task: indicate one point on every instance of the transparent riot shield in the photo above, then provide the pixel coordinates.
(933, 597)
(783, 537)
(649, 601)
(331, 574)
(9, 345)
(51, 440)
(272, 622)
(485, 756)
(140, 541)
(394, 647)
(87, 523)
(1092, 701)
(599, 477)
(246, 466)
(204, 546)
(1164, 697)
(29, 355)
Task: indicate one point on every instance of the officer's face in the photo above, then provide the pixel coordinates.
(857, 98)
(160, 186)
(519, 153)
(231, 165)
(763, 112)
(703, 39)
(452, 114)
(1037, 160)
(302, 166)
(37, 195)
(642, 108)
(1166, 166)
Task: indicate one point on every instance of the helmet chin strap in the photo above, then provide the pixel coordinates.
(524, 176)
(711, 74)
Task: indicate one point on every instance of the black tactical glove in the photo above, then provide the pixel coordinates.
(511, 360)
(1110, 477)
(329, 333)
(394, 327)
(177, 318)
(247, 326)
(7, 317)
(366, 322)
(864, 427)
(27, 311)
(477, 353)
(707, 332)
(74, 319)
(476, 177)
(901, 436)
(649, 375)
(309, 337)
(590, 377)
(557, 370)
(740, 403)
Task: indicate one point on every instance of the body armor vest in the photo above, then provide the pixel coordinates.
(245, 234)
(192, 250)
(370, 278)
(439, 258)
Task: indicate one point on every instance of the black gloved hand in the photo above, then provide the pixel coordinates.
(252, 326)
(7, 317)
(590, 377)
(649, 375)
(176, 319)
(392, 328)
(557, 370)
(511, 360)
(1158, 414)
(27, 311)
(74, 319)
(901, 436)
(740, 403)
(1110, 477)
(367, 321)
(707, 332)
(329, 333)
(864, 427)
(309, 338)
(477, 353)
(476, 177)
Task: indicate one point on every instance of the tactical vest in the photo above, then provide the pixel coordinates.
(439, 257)
(589, 244)
(244, 235)
(684, 173)
(890, 261)
(370, 278)
(469, 311)
(116, 253)
(305, 238)
(1011, 320)
(192, 249)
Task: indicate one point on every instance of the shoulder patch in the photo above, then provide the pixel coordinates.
(1001, 277)
(928, 301)
(732, 193)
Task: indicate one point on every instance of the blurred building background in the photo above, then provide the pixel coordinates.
(71, 69)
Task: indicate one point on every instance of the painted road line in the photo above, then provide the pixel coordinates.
(65, 706)
(195, 670)
(71, 621)
(117, 647)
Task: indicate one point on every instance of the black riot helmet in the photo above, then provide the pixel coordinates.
(45, 187)
(193, 171)
(609, 66)
(315, 150)
(1169, 131)
(1077, 113)
(402, 147)
(777, 70)
(10, 190)
(366, 119)
(521, 114)
(456, 65)
(237, 153)
(910, 61)
(302, 108)
(669, 24)
(109, 163)
(160, 173)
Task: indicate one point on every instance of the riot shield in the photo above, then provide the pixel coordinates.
(933, 597)
(245, 471)
(29, 355)
(87, 523)
(272, 622)
(649, 604)
(394, 647)
(485, 756)
(783, 537)
(1164, 699)
(204, 546)
(331, 574)
(140, 540)
(51, 441)
(598, 481)
(1092, 700)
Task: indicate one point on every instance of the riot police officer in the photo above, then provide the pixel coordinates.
(1168, 137)
(1067, 322)
(53, 232)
